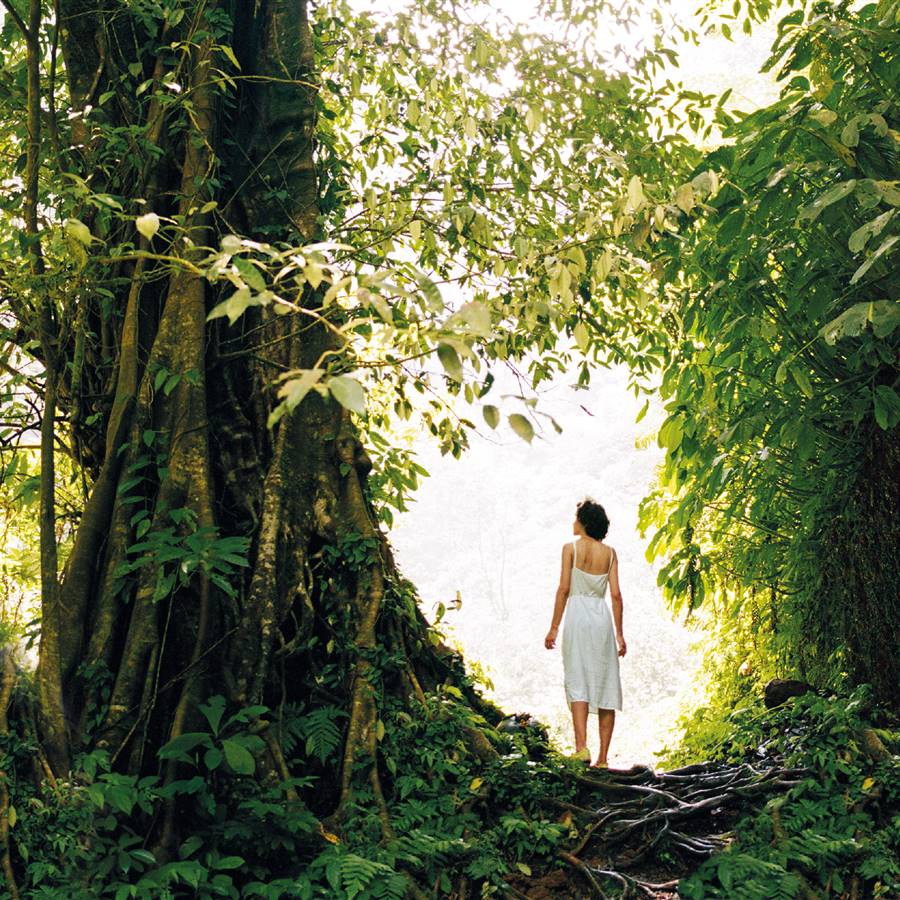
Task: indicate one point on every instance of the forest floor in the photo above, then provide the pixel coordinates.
(636, 832)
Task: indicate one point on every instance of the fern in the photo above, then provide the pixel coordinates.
(357, 872)
(354, 877)
(320, 731)
(391, 887)
(743, 877)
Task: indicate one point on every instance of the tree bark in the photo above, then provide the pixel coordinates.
(183, 443)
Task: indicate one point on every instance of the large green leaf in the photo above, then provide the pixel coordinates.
(238, 757)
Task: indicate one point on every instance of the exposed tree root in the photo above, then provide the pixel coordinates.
(626, 819)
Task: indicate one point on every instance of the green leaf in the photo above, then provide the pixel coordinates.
(430, 291)
(890, 192)
(230, 54)
(250, 274)
(802, 379)
(706, 183)
(313, 273)
(491, 415)
(171, 383)
(295, 389)
(849, 323)
(179, 747)
(582, 337)
(76, 229)
(832, 195)
(534, 117)
(729, 228)
(450, 361)
(887, 406)
(147, 224)
(235, 306)
(850, 134)
(522, 427)
(684, 198)
(239, 759)
(635, 196)
(213, 711)
(478, 317)
(884, 316)
(886, 245)
(860, 237)
(602, 265)
(191, 845)
(670, 432)
(348, 392)
(806, 440)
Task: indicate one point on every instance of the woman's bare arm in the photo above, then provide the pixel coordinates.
(562, 594)
(616, 594)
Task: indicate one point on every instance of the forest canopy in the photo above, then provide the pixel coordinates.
(240, 242)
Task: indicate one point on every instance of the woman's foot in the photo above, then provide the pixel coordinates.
(600, 765)
(583, 754)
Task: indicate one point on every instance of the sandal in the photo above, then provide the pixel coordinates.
(583, 755)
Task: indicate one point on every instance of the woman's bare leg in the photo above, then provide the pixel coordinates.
(579, 721)
(607, 720)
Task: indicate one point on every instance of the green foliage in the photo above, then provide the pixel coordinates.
(225, 741)
(451, 813)
(491, 195)
(87, 837)
(448, 809)
(838, 825)
(352, 876)
(773, 512)
(319, 729)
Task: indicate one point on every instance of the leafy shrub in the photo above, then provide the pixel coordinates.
(839, 826)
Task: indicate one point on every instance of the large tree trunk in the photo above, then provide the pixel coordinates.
(128, 650)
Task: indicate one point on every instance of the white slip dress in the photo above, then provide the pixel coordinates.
(589, 650)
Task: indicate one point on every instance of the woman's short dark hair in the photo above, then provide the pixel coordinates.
(593, 516)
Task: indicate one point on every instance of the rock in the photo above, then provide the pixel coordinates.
(778, 690)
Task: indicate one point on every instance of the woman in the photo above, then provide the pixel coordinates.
(592, 638)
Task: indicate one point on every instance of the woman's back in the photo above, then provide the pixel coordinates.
(590, 556)
(593, 557)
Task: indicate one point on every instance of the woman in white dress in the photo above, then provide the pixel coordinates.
(592, 640)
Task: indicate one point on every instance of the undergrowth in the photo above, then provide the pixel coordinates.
(460, 821)
(834, 834)
(454, 816)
